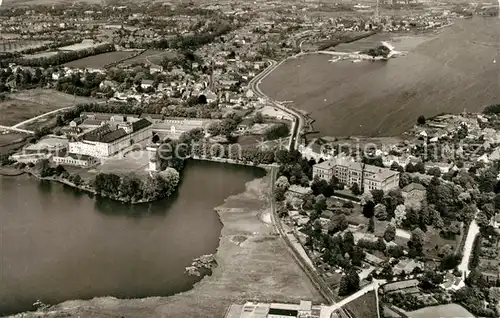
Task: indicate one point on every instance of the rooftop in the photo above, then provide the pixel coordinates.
(379, 173)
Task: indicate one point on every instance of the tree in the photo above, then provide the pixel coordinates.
(420, 167)
(381, 244)
(377, 195)
(416, 242)
(355, 189)
(59, 170)
(392, 199)
(400, 214)
(77, 180)
(421, 120)
(390, 233)
(395, 251)
(348, 242)
(404, 180)
(282, 182)
(259, 118)
(381, 212)
(338, 223)
(369, 209)
(434, 171)
(396, 167)
(320, 186)
(371, 225)
(410, 168)
(349, 283)
(357, 256)
(44, 168)
(320, 204)
(277, 131)
(279, 194)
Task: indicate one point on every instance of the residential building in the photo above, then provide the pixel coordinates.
(367, 177)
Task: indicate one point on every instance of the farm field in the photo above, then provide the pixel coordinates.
(443, 311)
(154, 57)
(100, 60)
(24, 105)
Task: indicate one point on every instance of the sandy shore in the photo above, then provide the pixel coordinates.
(253, 264)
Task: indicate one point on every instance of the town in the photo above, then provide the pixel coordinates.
(115, 99)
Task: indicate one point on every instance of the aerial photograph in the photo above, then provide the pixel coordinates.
(249, 159)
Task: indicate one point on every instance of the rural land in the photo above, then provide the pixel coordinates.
(375, 128)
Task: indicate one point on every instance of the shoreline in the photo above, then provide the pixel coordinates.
(248, 244)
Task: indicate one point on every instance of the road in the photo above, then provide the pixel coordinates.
(297, 122)
(14, 129)
(320, 285)
(469, 244)
(41, 116)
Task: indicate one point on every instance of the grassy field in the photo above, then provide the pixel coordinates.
(154, 57)
(364, 306)
(50, 96)
(443, 311)
(9, 139)
(24, 105)
(100, 60)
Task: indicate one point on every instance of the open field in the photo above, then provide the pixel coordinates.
(154, 57)
(442, 311)
(136, 161)
(364, 306)
(451, 71)
(49, 96)
(10, 138)
(100, 60)
(248, 270)
(24, 105)
(14, 111)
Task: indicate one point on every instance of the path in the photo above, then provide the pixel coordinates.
(41, 116)
(14, 129)
(467, 252)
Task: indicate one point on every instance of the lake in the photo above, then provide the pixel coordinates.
(58, 244)
(452, 70)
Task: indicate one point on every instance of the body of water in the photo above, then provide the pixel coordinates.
(455, 69)
(58, 244)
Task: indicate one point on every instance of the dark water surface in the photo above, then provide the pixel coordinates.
(58, 244)
(455, 69)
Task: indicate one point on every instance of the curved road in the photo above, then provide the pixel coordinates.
(297, 118)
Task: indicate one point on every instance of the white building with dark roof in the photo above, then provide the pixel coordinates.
(111, 138)
(366, 176)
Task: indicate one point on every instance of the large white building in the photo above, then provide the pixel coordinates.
(110, 139)
(366, 176)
